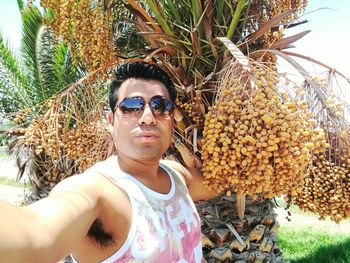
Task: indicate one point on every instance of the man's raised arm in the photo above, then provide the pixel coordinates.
(48, 230)
(194, 180)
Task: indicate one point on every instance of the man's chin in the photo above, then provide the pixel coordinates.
(148, 153)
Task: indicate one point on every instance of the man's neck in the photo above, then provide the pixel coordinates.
(147, 172)
(139, 168)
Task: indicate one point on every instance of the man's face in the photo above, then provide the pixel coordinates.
(144, 136)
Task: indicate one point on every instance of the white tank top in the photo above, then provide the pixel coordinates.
(165, 227)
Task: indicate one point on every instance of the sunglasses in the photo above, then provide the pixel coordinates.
(134, 106)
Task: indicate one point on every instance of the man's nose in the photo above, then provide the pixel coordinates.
(147, 117)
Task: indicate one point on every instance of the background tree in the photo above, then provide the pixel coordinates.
(42, 68)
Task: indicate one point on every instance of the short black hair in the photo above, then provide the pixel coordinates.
(142, 70)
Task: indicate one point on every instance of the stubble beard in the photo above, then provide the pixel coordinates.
(148, 152)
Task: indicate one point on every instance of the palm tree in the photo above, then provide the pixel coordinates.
(43, 68)
(222, 57)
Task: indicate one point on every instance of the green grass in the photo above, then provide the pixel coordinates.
(310, 244)
(309, 240)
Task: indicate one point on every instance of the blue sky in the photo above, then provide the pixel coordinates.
(328, 41)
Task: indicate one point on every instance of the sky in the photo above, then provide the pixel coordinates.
(328, 41)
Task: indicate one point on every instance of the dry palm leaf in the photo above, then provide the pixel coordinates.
(266, 27)
(189, 158)
(285, 42)
(236, 53)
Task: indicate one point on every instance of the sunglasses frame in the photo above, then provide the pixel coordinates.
(135, 112)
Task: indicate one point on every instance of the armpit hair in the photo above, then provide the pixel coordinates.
(99, 236)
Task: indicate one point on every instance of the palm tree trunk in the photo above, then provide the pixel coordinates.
(226, 239)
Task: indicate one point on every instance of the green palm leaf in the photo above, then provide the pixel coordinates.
(12, 81)
(44, 66)
(63, 71)
(32, 25)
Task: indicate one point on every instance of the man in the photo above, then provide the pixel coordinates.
(133, 207)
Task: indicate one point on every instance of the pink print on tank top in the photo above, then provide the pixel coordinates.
(165, 227)
(173, 235)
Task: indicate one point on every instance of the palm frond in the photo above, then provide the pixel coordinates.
(64, 70)
(267, 26)
(161, 20)
(236, 16)
(55, 64)
(171, 9)
(285, 42)
(9, 61)
(11, 81)
(20, 4)
(43, 68)
(44, 62)
(32, 24)
(219, 11)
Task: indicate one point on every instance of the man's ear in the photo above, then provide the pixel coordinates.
(110, 120)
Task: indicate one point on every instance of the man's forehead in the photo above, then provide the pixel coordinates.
(142, 87)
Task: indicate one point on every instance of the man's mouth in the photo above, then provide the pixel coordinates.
(147, 137)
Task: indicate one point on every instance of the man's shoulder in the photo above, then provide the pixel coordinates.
(173, 164)
(177, 167)
(93, 179)
(105, 166)
(80, 182)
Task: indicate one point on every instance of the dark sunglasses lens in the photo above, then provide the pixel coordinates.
(161, 106)
(131, 105)
(169, 106)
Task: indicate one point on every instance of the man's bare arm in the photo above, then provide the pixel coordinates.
(49, 229)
